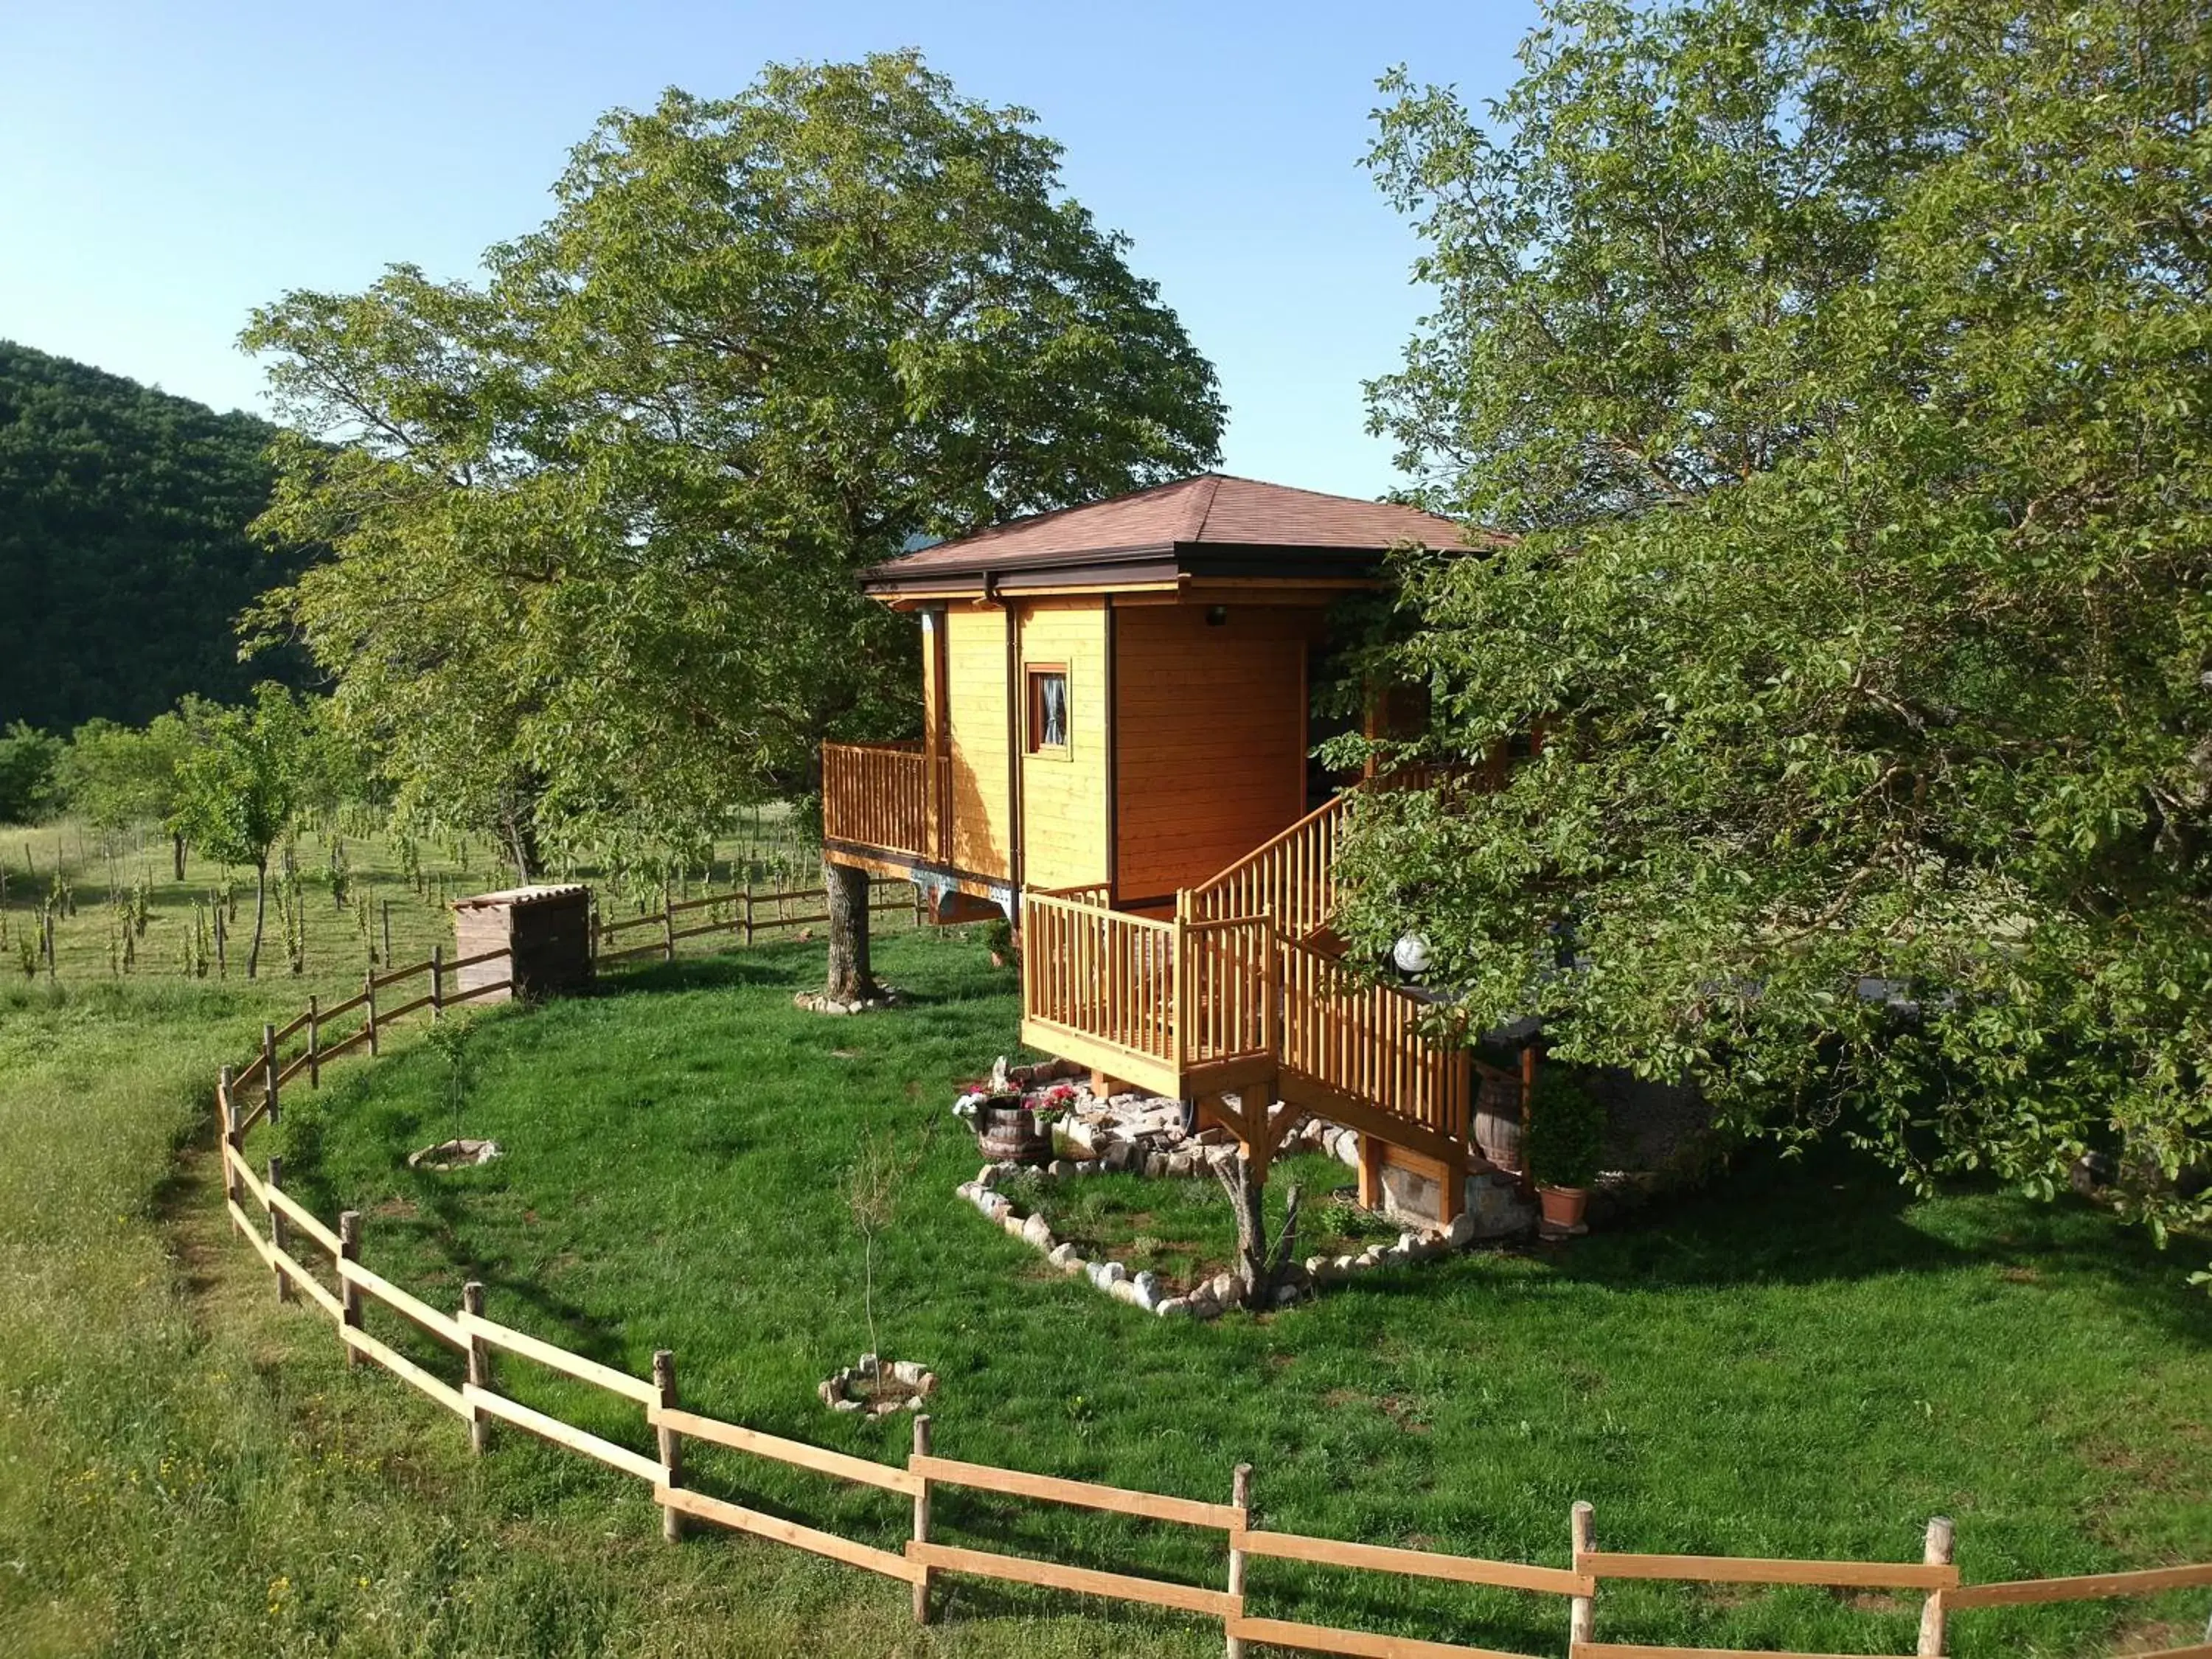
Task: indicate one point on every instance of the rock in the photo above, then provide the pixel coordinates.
(913, 1402)
(987, 1178)
(1104, 1274)
(1012, 1221)
(1460, 1233)
(1089, 1166)
(1148, 1289)
(1116, 1156)
(867, 1366)
(1286, 1295)
(907, 1371)
(1125, 1290)
(1036, 1234)
(1061, 1170)
(1226, 1289)
(1060, 1255)
(1155, 1165)
(844, 1405)
(1173, 1307)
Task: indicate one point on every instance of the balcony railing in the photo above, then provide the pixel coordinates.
(884, 796)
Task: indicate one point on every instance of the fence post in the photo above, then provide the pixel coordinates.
(279, 1234)
(369, 995)
(671, 1443)
(921, 1574)
(748, 912)
(314, 1042)
(437, 981)
(667, 925)
(1240, 1496)
(387, 933)
(1582, 1611)
(349, 1292)
(1934, 1619)
(226, 1103)
(268, 1066)
(479, 1372)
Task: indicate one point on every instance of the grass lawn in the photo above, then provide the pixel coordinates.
(1801, 1361)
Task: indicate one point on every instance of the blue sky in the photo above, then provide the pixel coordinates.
(166, 167)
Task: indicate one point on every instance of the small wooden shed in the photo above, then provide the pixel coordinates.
(542, 932)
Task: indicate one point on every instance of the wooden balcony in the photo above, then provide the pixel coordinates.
(888, 798)
(1181, 1007)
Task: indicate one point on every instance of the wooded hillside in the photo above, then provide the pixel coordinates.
(124, 555)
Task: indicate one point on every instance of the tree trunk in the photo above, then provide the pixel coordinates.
(1258, 1270)
(851, 979)
(177, 851)
(260, 913)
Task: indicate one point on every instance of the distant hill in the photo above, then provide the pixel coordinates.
(123, 556)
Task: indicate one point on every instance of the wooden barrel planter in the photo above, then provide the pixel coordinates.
(1497, 1121)
(1011, 1134)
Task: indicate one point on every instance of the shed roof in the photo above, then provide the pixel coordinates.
(1212, 524)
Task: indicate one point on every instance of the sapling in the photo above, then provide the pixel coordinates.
(449, 1042)
(872, 1188)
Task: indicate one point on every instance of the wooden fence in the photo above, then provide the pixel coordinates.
(256, 1086)
(286, 1232)
(740, 914)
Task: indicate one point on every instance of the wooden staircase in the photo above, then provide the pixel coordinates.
(1241, 994)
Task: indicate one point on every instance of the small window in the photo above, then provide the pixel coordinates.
(1047, 707)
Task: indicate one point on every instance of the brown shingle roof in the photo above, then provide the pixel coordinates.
(1210, 510)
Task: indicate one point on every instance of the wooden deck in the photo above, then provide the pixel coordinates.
(1233, 994)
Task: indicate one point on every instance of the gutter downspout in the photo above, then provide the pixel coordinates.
(992, 595)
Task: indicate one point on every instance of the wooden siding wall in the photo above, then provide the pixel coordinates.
(1212, 726)
(1064, 815)
(976, 709)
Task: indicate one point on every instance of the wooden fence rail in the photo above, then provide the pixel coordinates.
(478, 1402)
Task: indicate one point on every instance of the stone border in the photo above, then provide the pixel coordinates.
(1142, 1290)
(821, 1002)
(836, 1389)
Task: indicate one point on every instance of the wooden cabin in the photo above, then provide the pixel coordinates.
(1116, 757)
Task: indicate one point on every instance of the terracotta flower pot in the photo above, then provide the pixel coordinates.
(1562, 1207)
